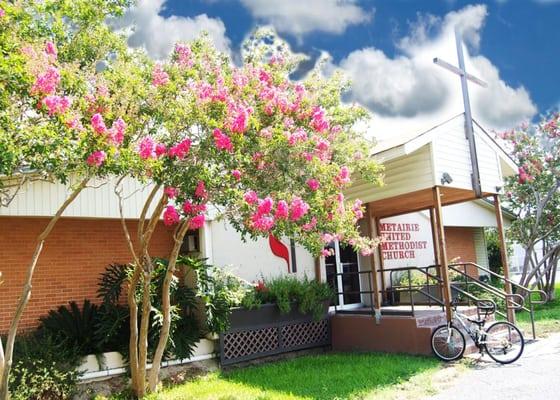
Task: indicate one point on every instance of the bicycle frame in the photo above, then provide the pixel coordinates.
(478, 335)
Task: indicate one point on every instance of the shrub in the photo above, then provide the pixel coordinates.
(44, 370)
(72, 326)
(219, 290)
(309, 295)
(113, 326)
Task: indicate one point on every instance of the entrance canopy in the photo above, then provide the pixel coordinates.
(420, 200)
(427, 171)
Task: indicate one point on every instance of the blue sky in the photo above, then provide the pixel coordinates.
(386, 47)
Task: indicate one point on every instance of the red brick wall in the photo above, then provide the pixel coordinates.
(460, 243)
(75, 253)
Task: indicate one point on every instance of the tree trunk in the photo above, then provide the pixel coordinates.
(133, 310)
(153, 379)
(26, 292)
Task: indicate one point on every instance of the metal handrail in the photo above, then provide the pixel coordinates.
(411, 289)
(370, 292)
(492, 289)
(542, 294)
(509, 303)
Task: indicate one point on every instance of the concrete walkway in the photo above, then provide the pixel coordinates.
(536, 375)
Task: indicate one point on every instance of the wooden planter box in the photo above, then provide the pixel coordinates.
(266, 331)
(266, 314)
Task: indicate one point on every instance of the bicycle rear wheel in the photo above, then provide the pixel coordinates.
(504, 342)
(448, 343)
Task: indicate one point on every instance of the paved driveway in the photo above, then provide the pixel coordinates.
(536, 375)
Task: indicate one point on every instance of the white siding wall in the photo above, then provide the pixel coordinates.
(39, 199)
(488, 163)
(452, 155)
(253, 260)
(480, 248)
(403, 175)
(472, 214)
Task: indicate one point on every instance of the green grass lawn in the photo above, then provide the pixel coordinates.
(327, 376)
(547, 317)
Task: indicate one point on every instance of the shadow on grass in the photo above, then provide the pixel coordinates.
(333, 376)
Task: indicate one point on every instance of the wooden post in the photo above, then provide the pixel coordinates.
(503, 253)
(433, 221)
(442, 254)
(372, 234)
(317, 269)
(381, 262)
(435, 241)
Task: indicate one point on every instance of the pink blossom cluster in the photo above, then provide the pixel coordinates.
(298, 136)
(170, 215)
(310, 225)
(343, 176)
(340, 201)
(222, 141)
(265, 214)
(200, 191)
(298, 208)
(56, 105)
(318, 120)
(191, 209)
(327, 238)
(183, 55)
(357, 209)
(327, 252)
(552, 127)
(98, 124)
(2, 13)
(46, 82)
(115, 134)
(524, 176)
(261, 219)
(147, 148)
(240, 80)
(96, 158)
(322, 148)
(50, 49)
(159, 76)
(276, 98)
(313, 184)
(282, 210)
(236, 174)
(238, 117)
(181, 149)
(171, 192)
(195, 212)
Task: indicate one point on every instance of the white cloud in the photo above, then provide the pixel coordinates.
(157, 34)
(299, 17)
(499, 104)
(393, 86)
(409, 89)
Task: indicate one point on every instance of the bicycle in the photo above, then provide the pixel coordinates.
(502, 341)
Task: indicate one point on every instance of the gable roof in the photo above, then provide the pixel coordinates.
(402, 145)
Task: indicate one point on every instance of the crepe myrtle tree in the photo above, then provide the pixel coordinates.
(49, 127)
(266, 154)
(533, 194)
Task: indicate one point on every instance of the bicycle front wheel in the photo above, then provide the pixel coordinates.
(448, 343)
(504, 342)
